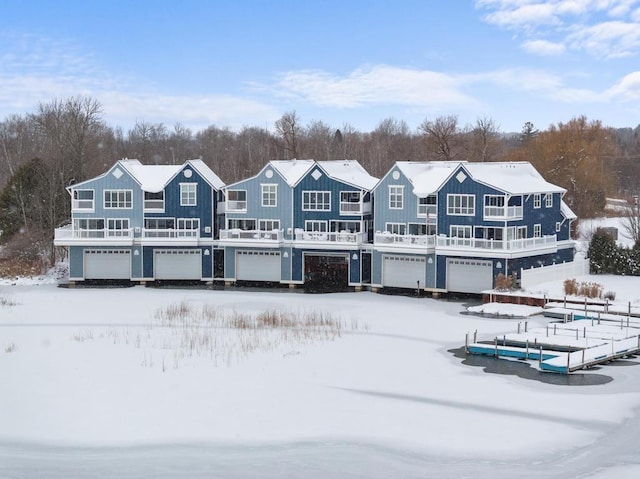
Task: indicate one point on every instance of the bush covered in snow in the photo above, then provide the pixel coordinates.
(607, 258)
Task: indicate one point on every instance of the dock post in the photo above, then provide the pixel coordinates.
(526, 326)
(583, 357)
(565, 301)
(526, 352)
(606, 305)
(584, 335)
(504, 340)
(598, 318)
(585, 306)
(577, 330)
(540, 358)
(518, 328)
(554, 329)
(535, 342)
(571, 317)
(495, 343)
(466, 343)
(568, 360)
(621, 323)
(475, 336)
(547, 330)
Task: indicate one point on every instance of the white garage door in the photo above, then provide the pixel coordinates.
(177, 264)
(469, 275)
(107, 264)
(400, 271)
(258, 265)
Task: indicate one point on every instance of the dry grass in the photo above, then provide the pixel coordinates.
(183, 331)
(584, 288)
(504, 283)
(5, 301)
(10, 348)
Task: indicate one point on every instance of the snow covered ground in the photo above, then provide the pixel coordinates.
(96, 384)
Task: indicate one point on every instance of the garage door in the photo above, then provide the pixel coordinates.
(469, 275)
(400, 271)
(107, 264)
(258, 265)
(177, 264)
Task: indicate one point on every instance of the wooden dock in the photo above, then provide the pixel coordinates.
(564, 347)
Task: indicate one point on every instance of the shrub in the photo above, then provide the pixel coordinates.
(570, 287)
(504, 283)
(610, 295)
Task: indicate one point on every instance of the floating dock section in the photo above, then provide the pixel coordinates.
(568, 346)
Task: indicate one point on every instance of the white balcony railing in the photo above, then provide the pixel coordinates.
(235, 206)
(79, 205)
(251, 235)
(67, 232)
(503, 212)
(170, 233)
(347, 208)
(338, 237)
(427, 210)
(487, 244)
(386, 238)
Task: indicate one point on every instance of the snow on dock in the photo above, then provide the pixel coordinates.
(564, 347)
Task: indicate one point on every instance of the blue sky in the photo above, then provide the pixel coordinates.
(356, 62)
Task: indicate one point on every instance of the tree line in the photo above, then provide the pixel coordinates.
(66, 141)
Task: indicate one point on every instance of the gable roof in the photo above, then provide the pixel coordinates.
(206, 172)
(152, 178)
(350, 172)
(291, 171)
(516, 178)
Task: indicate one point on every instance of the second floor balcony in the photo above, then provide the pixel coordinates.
(407, 240)
(68, 235)
(503, 213)
(240, 235)
(502, 246)
(341, 237)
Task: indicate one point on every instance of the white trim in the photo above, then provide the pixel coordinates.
(274, 193)
(451, 210)
(306, 205)
(111, 191)
(395, 194)
(188, 194)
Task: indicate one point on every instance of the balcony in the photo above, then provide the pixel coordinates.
(251, 236)
(67, 235)
(540, 245)
(87, 205)
(342, 237)
(167, 236)
(404, 241)
(348, 208)
(233, 206)
(503, 213)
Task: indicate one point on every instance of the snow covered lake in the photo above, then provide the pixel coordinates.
(105, 382)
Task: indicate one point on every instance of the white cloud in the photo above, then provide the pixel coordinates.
(544, 47)
(613, 39)
(378, 85)
(627, 89)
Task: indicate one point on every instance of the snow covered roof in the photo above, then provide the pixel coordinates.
(566, 211)
(206, 172)
(350, 172)
(152, 178)
(292, 170)
(517, 178)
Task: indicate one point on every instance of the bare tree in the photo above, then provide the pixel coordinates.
(289, 131)
(485, 140)
(441, 137)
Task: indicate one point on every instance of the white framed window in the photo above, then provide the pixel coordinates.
(117, 227)
(548, 200)
(350, 202)
(396, 228)
(118, 199)
(461, 205)
(316, 201)
(558, 226)
(188, 194)
(537, 200)
(537, 231)
(237, 200)
(268, 225)
(154, 200)
(396, 197)
(316, 226)
(269, 195)
(456, 231)
(188, 223)
(89, 227)
(83, 200)
(160, 223)
(244, 224)
(427, 206)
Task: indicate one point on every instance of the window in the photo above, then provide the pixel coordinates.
(154, 200)
(396, 197)
(269, 195)
(114, 199)
(188, 194)
(83, 200)
(427, 206)
(494, 201)
(396, 228)
(558, 226)
(316, 201)
(118, 227)
(536, 200)
(317, 226)
(350, 202)
(460, 231)
(461, 205)
(89, 227)
(159, 223)
(188, 227)
(548, 201)
(268, 225)
(537, 231)
(237, 200)
(242, 224)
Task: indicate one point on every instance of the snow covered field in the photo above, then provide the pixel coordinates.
(95, 384)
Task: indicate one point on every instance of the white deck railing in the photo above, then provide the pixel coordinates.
(67, 232)
(386, 238)
(503, 212)
(170, 233)
(510, 245)
(341, 237)
(253, 235)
